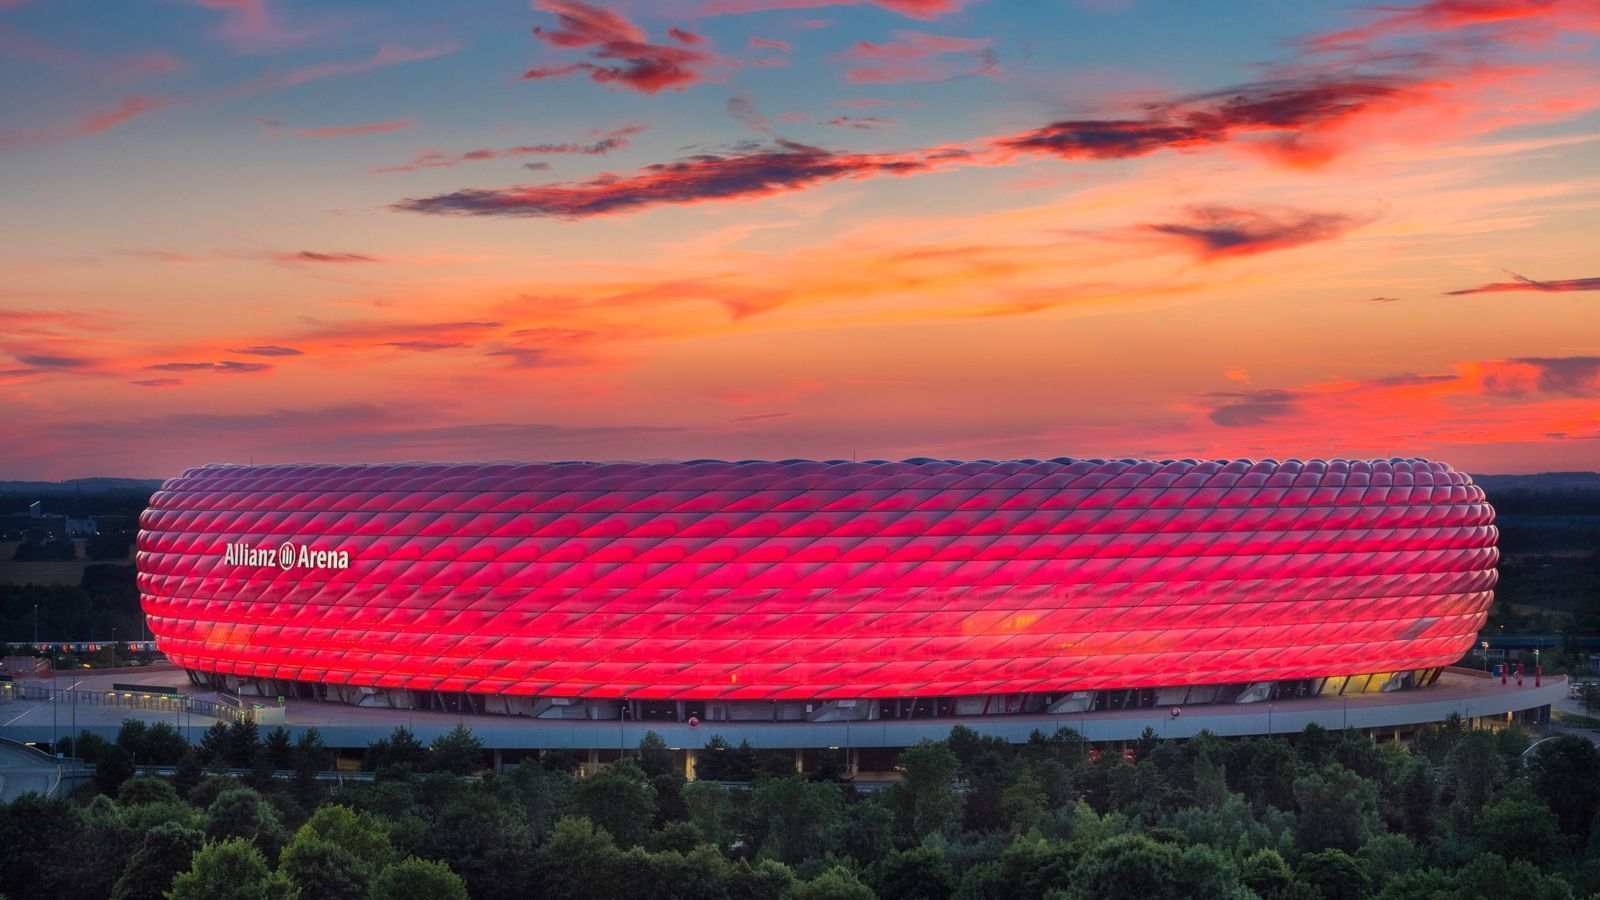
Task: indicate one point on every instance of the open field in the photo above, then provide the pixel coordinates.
(50, 572)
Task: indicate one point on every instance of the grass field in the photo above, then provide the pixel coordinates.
(63, 572)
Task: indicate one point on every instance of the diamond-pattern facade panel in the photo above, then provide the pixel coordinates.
(816, 580)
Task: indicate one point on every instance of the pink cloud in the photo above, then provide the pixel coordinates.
(1521, 283)
(912, 9)
(615, 139)
(387, 55)
(620, 52)
(135, 65)
(915, 56)
(328, 131)
(253, 26)
(90, 124)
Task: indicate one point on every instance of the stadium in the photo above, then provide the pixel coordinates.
(806, 593)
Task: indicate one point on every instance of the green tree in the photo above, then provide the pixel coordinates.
(1265, 872)
(837, 883)
(164, 851)
(1419, 797)
(866, 831)
(91, 748)
(1264, 771)
(1488, 877)
(189, 772)
(619, 800)
(1135, 866)
(311, 755)
(458, 752)
(278, 748)
(1516, 826)
(1023, 803)
(401, 748)
(418, 879)
(797, 816)
(1565, 774)
(580, 862)
(361, 834)
(243, 740)
(480, 834)
(322, 869)
(932, 803)
(115, 767)
(1386, 856)
(1589, 696)
(1474, 770)
(1335, 875)
(231, 870)
(143, 789)
(921, 873)
(710, 808)
(1420, 884)
(240, 812)
(1337, 809)
(654, 756)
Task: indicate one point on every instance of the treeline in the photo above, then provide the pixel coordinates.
(107, 597)
(79, 504)
(1457, 815)
(1550, 562)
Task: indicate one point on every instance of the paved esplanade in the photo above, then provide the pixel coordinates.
(1466, 692)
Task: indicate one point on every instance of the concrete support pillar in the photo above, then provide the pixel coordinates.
(852, 761)
(499, 762)
(799, 761)
(593, 767)
(690, 757)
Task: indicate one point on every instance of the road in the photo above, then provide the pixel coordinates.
(23, 769)
(1575, 707)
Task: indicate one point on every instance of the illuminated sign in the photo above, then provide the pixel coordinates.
(287, 555)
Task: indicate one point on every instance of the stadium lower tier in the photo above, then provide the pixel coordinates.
(798, 711)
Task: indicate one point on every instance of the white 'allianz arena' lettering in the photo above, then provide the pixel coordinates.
(285, 556)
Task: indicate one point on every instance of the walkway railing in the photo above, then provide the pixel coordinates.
(229, 712)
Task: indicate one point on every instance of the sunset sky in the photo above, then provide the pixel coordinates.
(273, 231)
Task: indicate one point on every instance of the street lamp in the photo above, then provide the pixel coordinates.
(1485, 646)
(36, 628)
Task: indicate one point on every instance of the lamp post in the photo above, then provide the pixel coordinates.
(1485, 646)
(36, 627)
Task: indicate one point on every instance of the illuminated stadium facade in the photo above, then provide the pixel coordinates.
(803, 591)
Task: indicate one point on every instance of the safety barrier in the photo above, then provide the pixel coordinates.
(230, 712)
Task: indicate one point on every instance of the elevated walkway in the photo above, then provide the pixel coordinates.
(1468, 693)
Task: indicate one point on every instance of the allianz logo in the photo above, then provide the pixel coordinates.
(287, 555)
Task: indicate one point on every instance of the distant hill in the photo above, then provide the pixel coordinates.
(1543, 481)
(80, 486)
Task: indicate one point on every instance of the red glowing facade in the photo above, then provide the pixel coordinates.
(816, 580)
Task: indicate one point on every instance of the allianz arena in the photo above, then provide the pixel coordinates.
(817, 591)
